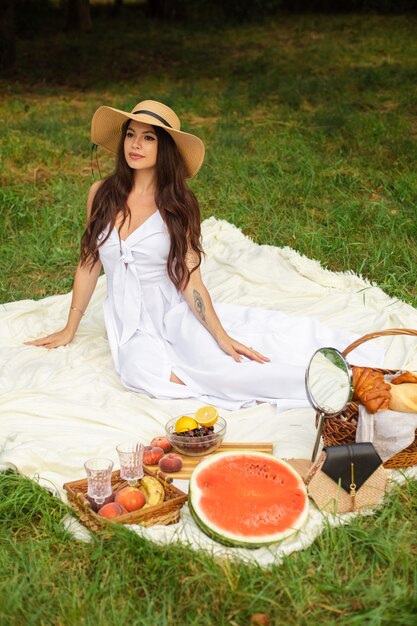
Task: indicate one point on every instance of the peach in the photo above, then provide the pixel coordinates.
(162, 442)
(152, 454)
(130, 498)
(170, 463)
(96, 506)
(112, 509)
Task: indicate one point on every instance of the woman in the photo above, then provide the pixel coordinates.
(166, 337)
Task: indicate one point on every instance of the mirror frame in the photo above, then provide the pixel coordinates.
(317, 407)
(310, 397)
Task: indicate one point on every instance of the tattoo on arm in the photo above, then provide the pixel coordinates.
(199, 306)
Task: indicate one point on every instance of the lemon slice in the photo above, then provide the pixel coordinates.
(185, 423)
(206, 415)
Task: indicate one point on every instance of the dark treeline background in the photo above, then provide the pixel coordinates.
(22, 19)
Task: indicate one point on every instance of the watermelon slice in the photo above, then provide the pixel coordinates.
(247, 499)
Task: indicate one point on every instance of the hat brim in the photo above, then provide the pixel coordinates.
(106, 128)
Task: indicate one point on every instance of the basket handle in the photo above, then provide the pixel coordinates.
(380, 333)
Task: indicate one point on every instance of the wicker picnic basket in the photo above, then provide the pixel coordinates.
(342, 428)
(168, 512)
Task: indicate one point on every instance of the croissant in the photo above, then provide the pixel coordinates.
(405, 377)
(370, 389)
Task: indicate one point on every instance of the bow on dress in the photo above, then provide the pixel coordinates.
(127, 293)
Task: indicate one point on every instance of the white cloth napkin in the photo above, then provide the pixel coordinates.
(389, 431)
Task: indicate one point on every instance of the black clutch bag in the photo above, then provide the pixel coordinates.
(347, 478)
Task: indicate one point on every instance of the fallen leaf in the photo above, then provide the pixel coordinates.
(260, 618)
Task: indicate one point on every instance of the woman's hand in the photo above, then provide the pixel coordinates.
(237, 350)
(199, 301)
(60, 338)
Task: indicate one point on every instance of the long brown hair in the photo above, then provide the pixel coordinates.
(174, 199)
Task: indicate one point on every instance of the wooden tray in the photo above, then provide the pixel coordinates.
(189, 462)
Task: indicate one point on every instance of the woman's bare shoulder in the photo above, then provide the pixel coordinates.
(91, 194)
(94, 188)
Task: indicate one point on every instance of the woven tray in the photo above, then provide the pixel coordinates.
(342, 428)
(168, 512)
(190, 462)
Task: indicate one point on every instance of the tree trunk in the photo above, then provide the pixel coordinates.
(78, 15)
(7, 34)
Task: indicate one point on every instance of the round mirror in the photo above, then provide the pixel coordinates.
(329, 386)
(329, 381)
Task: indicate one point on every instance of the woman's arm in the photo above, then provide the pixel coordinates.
(85, 281)
(199, 301)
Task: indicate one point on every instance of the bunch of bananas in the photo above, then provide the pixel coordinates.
(153, 491)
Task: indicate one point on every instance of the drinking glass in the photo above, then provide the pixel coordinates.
(99, 478)
(131, 459)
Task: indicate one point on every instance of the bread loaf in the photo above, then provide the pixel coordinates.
(404, 398)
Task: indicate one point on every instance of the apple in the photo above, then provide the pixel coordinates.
(112, 509)
(130, 498)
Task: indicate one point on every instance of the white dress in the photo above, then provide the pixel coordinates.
(152, 332)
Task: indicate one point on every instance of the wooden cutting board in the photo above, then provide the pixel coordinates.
(189, 462)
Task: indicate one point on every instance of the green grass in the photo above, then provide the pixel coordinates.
(309, 124)
(360, 574)
(310, 128)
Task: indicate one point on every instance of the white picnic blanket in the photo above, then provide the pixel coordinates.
(61, 407)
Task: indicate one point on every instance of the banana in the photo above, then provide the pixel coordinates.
(153, 490)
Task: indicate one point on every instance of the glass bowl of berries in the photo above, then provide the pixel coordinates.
(198, 434)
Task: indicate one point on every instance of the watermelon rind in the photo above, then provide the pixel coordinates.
(238, 540)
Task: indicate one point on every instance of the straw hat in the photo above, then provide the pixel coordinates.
(106, 127)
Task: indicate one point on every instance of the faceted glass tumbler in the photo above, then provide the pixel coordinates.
(99, 478)
(131, 461)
